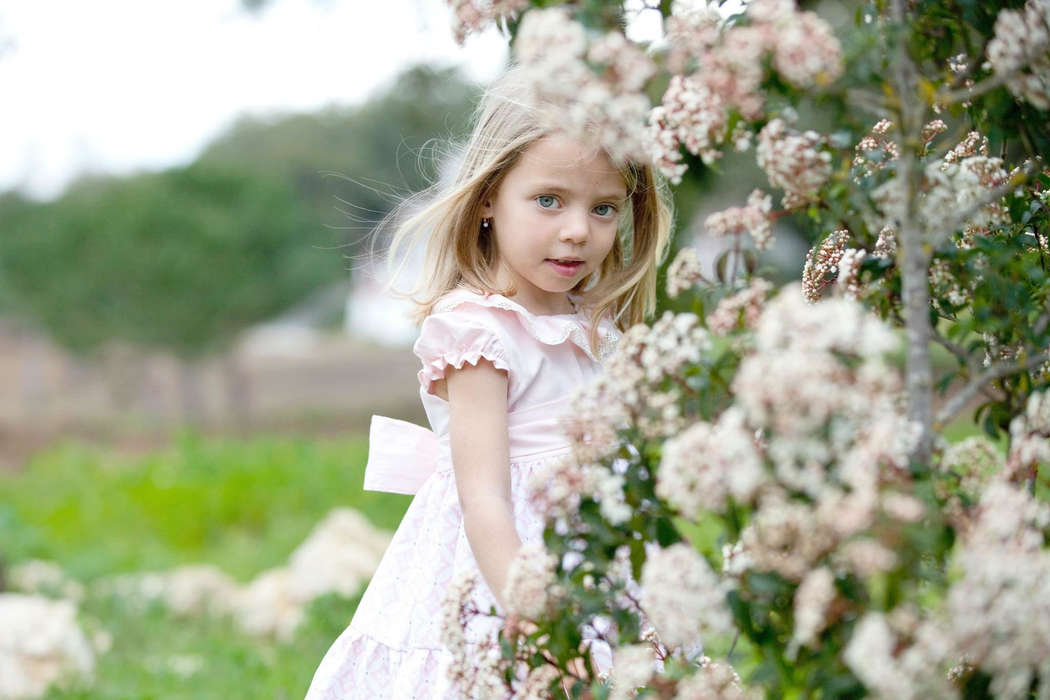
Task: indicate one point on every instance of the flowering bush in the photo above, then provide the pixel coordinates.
(760, 499)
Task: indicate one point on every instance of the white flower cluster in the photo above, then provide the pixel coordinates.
(40, 644)
(832, 435)
(848, 279)
(812, 600)
(682, 597)
(754, 219)
(886, 244)
(1020, 51)
(529, 580)
(945, 285)
(961, 179)
(705, 464)
(1030, 435)
(998, 612)
(995, 617)
(786, 537)
(632, 667)
(805, 52)
(822, 263)
(875, 151)
(741, 309)
(475, 667)
(556, 490)
(714, 679)
(954, 183)
(832, 432)
(876, 657)
(930, 130)
(608, 106)
(795, 162)
(474, 16)
(728, 69)
(793, 385)
(636, 387)
(338, 556)
(973, 144)
(684, 271)
(972, 463)
(691, 115)
(537, 684)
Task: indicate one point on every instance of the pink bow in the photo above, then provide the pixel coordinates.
(401, 455)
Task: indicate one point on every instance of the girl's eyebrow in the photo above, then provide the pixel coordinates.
(561, 189)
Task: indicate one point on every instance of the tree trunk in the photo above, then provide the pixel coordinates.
(192, 398)
(913, 253)
(238, 393)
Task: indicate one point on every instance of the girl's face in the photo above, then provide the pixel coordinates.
(555, 218)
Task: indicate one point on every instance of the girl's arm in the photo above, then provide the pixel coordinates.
(477, 397)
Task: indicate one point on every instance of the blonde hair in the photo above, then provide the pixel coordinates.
(460, 252)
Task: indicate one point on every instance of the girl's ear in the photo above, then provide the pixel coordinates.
(486, 209)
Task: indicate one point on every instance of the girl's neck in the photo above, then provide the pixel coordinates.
(537, 304)
(549, 307)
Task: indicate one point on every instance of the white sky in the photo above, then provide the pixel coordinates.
(125, 85)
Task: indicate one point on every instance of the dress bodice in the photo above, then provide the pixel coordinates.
(544, 357)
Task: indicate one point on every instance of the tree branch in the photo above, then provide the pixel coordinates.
(990, 83)
(1041, 323)
(996, 371)
(960, 353)
(976, 90)
(869, 102)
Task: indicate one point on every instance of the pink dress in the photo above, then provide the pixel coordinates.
(392, 648)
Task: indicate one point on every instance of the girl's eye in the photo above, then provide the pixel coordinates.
(605, 210)
(547, 201)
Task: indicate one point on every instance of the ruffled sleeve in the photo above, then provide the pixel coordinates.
(454, 339)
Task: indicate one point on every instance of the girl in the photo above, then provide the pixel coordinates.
(540, 253)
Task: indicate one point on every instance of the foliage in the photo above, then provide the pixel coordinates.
(837, 546)
(183, 259)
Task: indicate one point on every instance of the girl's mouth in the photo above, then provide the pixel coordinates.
(566, 268)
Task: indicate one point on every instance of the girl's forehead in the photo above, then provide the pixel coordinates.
(560, 156)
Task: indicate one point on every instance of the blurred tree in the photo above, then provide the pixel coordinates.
(181, 260)
(136, 258)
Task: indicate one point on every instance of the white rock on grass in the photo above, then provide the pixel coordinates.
(44, 577)
(338, 556)
(40, 643)
(199, 589)
(194, 590)
(266, 607)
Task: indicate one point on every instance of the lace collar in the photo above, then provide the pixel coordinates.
(552, 329)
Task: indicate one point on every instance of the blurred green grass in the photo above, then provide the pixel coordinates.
(157, 655)
(242, 505)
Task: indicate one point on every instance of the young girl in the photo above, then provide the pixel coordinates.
(540, 253)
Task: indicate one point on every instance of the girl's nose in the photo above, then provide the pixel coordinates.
(575, 228)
